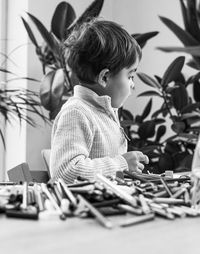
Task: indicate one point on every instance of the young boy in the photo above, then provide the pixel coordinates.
(87, 137)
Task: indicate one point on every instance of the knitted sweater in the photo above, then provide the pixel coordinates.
(87, 138)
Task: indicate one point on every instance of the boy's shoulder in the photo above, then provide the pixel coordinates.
(75, 104)
(75, 110)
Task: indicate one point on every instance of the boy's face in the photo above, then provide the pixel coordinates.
(119, 86)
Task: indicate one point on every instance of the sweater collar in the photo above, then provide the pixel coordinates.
(101, 102)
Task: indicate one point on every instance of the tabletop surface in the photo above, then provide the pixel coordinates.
(77, 235)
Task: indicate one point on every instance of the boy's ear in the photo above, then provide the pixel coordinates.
(103, 77)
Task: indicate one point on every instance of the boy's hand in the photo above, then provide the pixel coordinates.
(134, 158)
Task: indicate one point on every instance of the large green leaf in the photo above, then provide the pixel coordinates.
(195, 50)
(148, 80)
(45, 90)
(173, 71)
(30, 33)
(160, 132)
(179, 97)
(192, 19)
(47, 36)
(125, 114)
(178, 127)
(143, 38)
(150, 150)
(196, 91)
(185, 16)
(147, 109)
(52, 89)
(159, 111)
(159, 120)
(146, 130)
(127, 123)
(91, 12)
(63, 17)
(184, 37)
(57, 88)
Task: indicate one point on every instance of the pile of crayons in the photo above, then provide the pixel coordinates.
(143, 196)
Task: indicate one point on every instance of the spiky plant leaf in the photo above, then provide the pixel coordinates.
(196, 91)
(195, 50)
(47, 36)
(30, 33)
(185, 16)
(147, 109)
(143, 38)
(192, 19)
(184, 36)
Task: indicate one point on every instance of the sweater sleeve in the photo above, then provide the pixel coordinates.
(72, 140)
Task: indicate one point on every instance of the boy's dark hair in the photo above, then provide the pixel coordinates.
(99, 44)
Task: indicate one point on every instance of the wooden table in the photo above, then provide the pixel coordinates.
(52, 236)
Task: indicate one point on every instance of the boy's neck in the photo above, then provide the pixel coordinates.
(95, 88)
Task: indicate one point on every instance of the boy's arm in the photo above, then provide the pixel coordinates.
(71, 145)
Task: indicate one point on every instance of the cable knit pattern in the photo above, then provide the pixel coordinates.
(87, 138)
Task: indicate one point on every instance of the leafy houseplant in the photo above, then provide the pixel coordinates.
(58, 82)
(186, 126)
(179, 108)
(56, 85)
(15, 102)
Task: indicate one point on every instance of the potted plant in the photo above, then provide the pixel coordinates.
(14, 102)
(180, 110)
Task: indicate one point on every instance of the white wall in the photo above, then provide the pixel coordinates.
(15, 134)
(137, 16)
(3, 19)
